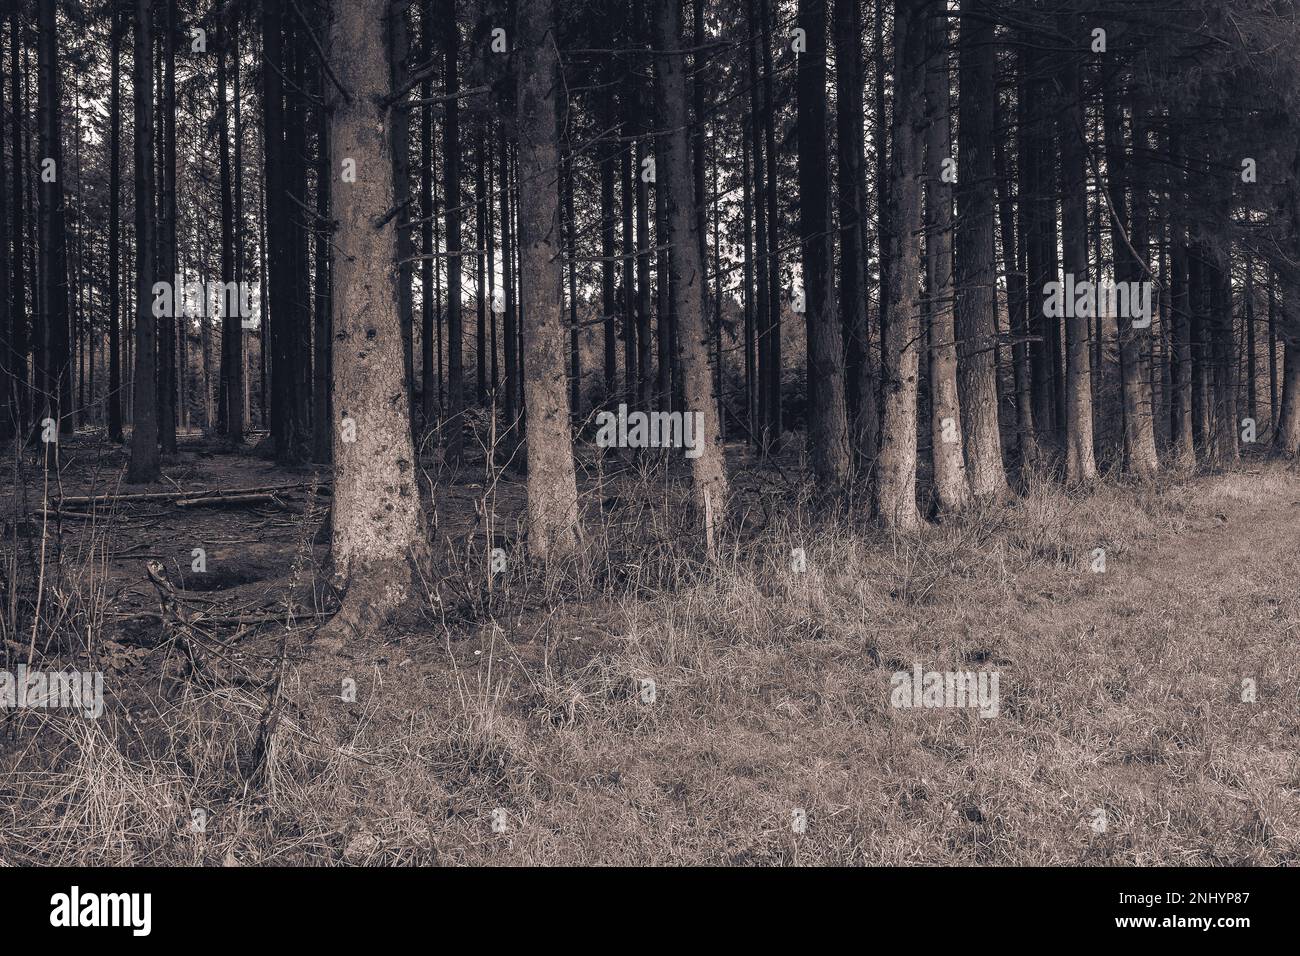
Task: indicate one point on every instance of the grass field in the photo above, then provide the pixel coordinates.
(1122, 736)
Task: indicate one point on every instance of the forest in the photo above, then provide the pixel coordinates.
(574, 431)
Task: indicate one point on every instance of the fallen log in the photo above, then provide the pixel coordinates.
(229, 500)
(92, 500)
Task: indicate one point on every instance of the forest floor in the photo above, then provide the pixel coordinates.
(507, 718)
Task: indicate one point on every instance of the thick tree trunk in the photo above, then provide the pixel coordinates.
(708, 470)
(976, 265)
(1080, 464)
(552, 488)
(1139, 430)
(950, 482)
(377, 525)
(896, 482)
(144, 434)
(828, 444)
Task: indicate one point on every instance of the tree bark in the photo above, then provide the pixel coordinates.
(455, 417)
(377, 525)
(976, 258)
(708, 470)
(896, 483)
(827, 428)
(231, 415)
(860, 378)
(54, 252)
(552, 487)
(950, 481)
(144, 466)
(1080, 464)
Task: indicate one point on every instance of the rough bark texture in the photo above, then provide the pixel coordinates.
(1139, 428)
(896, 482)
(708, 471)
(54, 250)
(232, 359)
(976, 265)
(454, 421)
(1079, 462)
(828, 440)
(950, 483)
(377, 525)
(552, 487)
(860, 377)
(144, 436)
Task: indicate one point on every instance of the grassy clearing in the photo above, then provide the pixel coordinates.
(1120, 693)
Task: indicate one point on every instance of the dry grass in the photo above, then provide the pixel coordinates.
(522, 692)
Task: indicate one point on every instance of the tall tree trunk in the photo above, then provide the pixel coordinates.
(455, 417)
(377, 525)
(950, 482)
(1248, 319)
(608, 265)
(480, 270)
(708, 470)
(552, 488)
(773, 426)
(896, 482)
(828, 441)
(1080, 464)
(627, 196)
(1272, 349)
(884, 204)
(54, 251)
(1181, 440)
(762, 316)
(1013, 251)
(429, 361)
(286, 427)
(144, 464)
(571, 252)
(510, 345)
(976, 258)
(1139, 430)
(168, 325)
(399, 120)
(231, 414)
(323, 354)
(859, 384)
(18, 315)
(9, 382)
